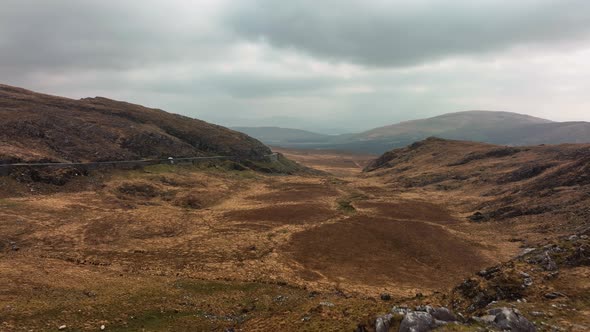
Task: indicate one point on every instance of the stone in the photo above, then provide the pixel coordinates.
(511, 320)
(553, 295)
(478, 217)
(385, 297)
(488, 273)
(383, 323)
(548, 264)
(62, 327)
(417, 321)
(401, 310)
(424, 308)
(443, 314)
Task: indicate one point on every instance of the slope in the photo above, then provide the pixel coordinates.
(39, 127)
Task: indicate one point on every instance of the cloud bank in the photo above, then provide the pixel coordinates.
(329, 65)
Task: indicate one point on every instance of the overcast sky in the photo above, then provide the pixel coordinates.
(342, 65)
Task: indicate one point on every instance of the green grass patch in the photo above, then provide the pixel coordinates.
(8, 203)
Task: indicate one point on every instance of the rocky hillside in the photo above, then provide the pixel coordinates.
(544, 289)
(504, 182)
(36, 127)
(539, 196)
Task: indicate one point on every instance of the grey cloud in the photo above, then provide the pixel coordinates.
(401, 33)
(268, 62)
(98, 34)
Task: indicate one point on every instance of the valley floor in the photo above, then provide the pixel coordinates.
(190, 249)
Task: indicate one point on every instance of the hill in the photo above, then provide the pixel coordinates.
(481, 126)
(277, 135)
(467, 124)
(508, 182)
(38, 127)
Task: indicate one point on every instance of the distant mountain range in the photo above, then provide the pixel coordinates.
(277, 135)
(481, 126)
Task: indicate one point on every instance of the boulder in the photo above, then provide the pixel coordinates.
(511, 320)
(417, 321)
(443, 314)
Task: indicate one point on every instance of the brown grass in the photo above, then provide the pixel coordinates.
(377, 251)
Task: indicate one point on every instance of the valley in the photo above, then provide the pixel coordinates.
(187, 248)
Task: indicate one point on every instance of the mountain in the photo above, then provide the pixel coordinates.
(469, 124)
(481, 126)
(278, 136)
(37, 127)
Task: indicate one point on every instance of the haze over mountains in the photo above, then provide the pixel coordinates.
(482, 126)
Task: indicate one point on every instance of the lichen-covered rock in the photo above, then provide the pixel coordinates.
(417, 321)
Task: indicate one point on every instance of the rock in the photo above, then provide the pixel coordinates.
(443, 314)
(511, 320)
(478, 217)
(553, 295)
(14, 246)
(527, 282)
(526, 251)
(385, 297)
(401, 310)
(417, 321)
(102, 327)
(488, 273)
(486, 319)
(573, 238)
(62, 327)
(548, 264)
(327, 304)
(424, 308)
(383, 323)
(280, 298)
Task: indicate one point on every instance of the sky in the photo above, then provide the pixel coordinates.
(329, 66)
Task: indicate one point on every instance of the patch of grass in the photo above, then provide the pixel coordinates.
(358, 196)
(213, 287)
(345, 205)
(7, 203)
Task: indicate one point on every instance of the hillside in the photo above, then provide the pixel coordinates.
(39, 127)
(482, 126)
(277, 135)
(507, 182)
